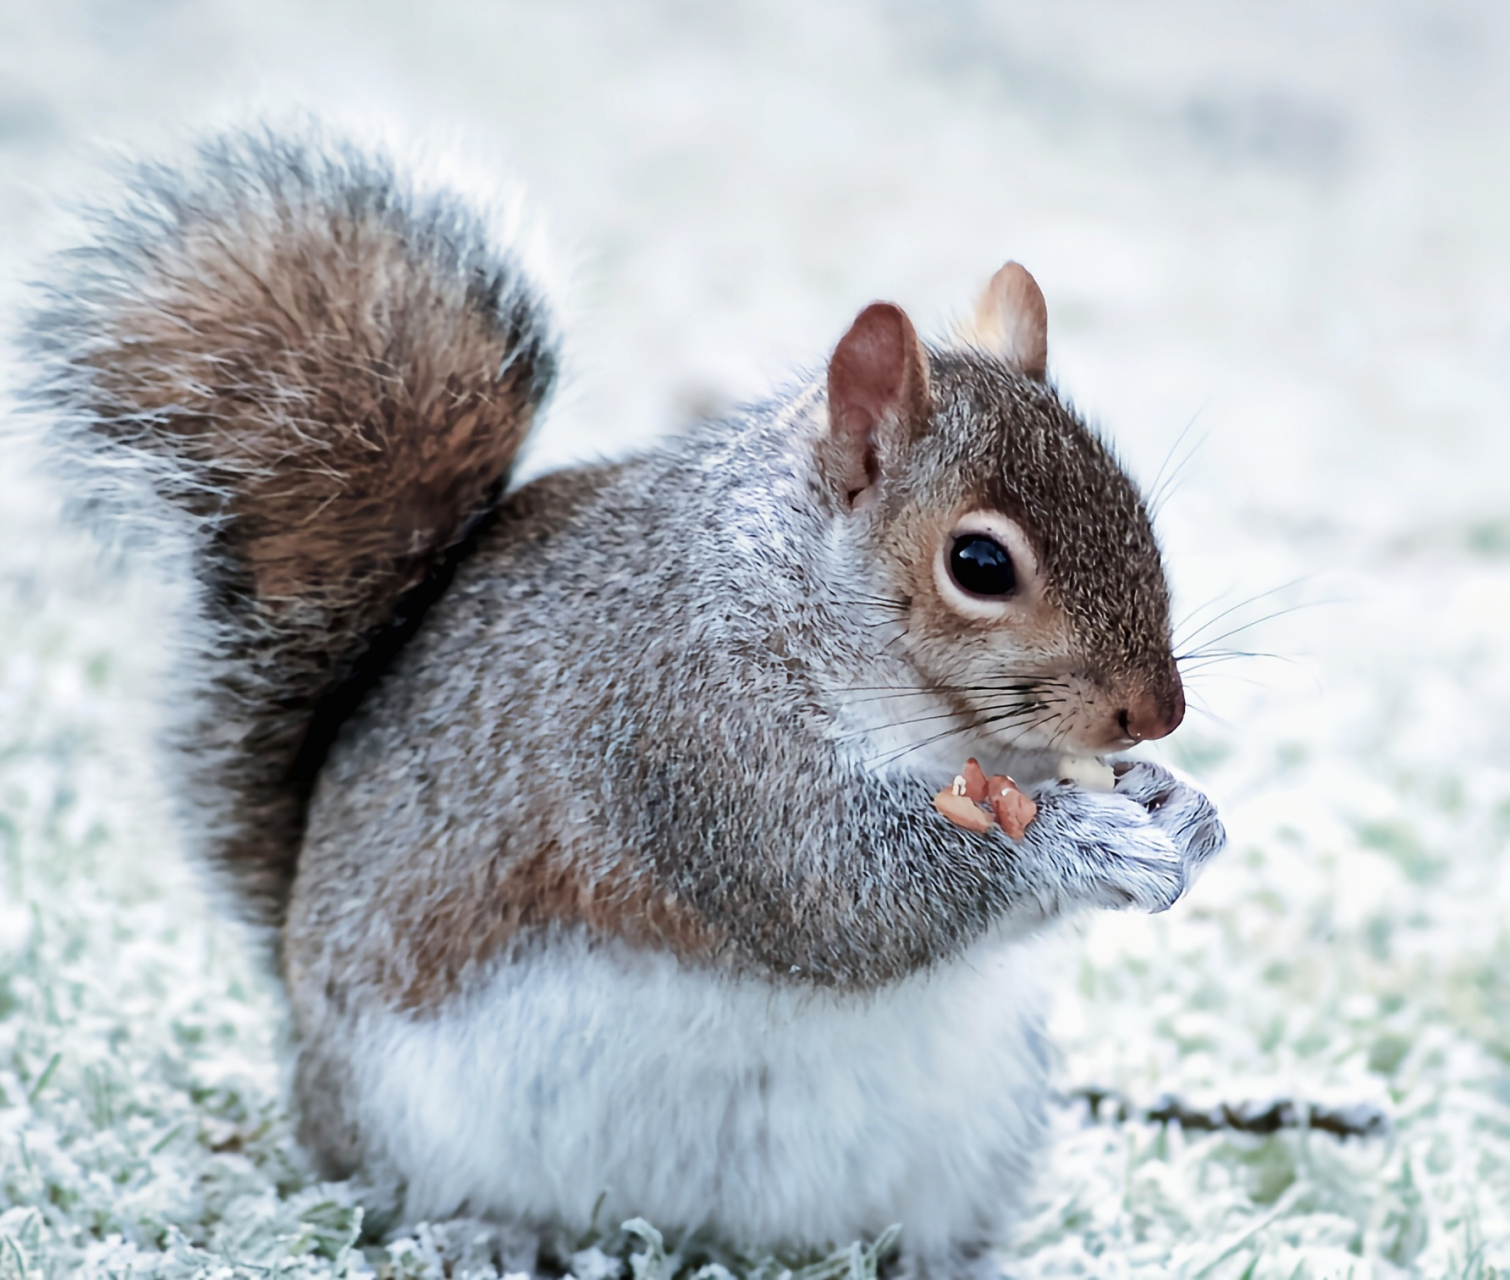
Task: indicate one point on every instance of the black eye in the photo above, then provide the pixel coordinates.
(982, 566)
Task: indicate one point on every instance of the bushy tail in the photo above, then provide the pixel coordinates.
(322, 379)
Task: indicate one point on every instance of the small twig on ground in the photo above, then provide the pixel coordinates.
(1360, 1120)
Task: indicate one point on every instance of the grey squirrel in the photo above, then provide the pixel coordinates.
(591, 822)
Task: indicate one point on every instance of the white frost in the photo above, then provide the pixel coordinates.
(1284, 222)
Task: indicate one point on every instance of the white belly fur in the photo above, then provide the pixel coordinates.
(768, 1114)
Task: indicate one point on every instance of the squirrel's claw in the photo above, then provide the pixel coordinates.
(1182, 812)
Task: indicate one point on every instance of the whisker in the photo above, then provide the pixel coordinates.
(1178, 441)
(936, 715)
(1225, 654)
(1023, 687)
(1203, 663)
(1268, 617)
(989, 721)
(1231, 677)
(1202, 710)
(1163, 488)
(957, 688)
(1241, 604)
(880, 602)
(892, 697)
(898, 753)
(976, 725)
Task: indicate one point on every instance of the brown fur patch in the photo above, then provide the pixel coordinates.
(494, 904)
(329, 376)
(349, 415)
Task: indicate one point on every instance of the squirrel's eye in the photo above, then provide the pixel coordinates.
(981, 566)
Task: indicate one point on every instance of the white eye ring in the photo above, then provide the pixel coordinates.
(1009, 535)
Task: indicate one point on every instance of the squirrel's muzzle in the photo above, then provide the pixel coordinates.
(1154, 714)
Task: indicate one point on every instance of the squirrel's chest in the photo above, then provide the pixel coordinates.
(700, 1099)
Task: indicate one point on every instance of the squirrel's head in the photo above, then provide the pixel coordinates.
(1033, 595)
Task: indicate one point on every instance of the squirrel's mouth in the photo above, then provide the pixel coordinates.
(1090, 772)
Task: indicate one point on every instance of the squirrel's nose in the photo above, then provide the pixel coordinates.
(1151, 716)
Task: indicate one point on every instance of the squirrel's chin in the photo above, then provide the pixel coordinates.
(1033, 762)
(1024, 763)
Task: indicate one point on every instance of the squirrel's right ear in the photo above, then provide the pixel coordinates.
(1011, 321)
(878, 400)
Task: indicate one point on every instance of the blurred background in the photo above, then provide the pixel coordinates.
(1275, 243)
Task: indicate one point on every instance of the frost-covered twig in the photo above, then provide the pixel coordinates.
(1359, 1120)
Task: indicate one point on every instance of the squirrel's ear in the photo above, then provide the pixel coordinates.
(878, 399)
(1012, 322)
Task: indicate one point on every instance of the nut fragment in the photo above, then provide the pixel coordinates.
(999, 785)
(1087, 772)
(1013, 807)
(975, 780)
(962, 811)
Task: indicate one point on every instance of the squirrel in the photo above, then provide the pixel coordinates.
(590, 821)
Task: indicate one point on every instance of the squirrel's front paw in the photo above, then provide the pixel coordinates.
(1109, 850)
(1186, 816)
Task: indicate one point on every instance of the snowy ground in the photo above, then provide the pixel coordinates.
(1286, 222)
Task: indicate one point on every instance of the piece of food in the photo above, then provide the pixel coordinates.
(955, 805)
(1011, 805)
(1087, 772)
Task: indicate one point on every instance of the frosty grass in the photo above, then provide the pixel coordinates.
(1283, 220)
